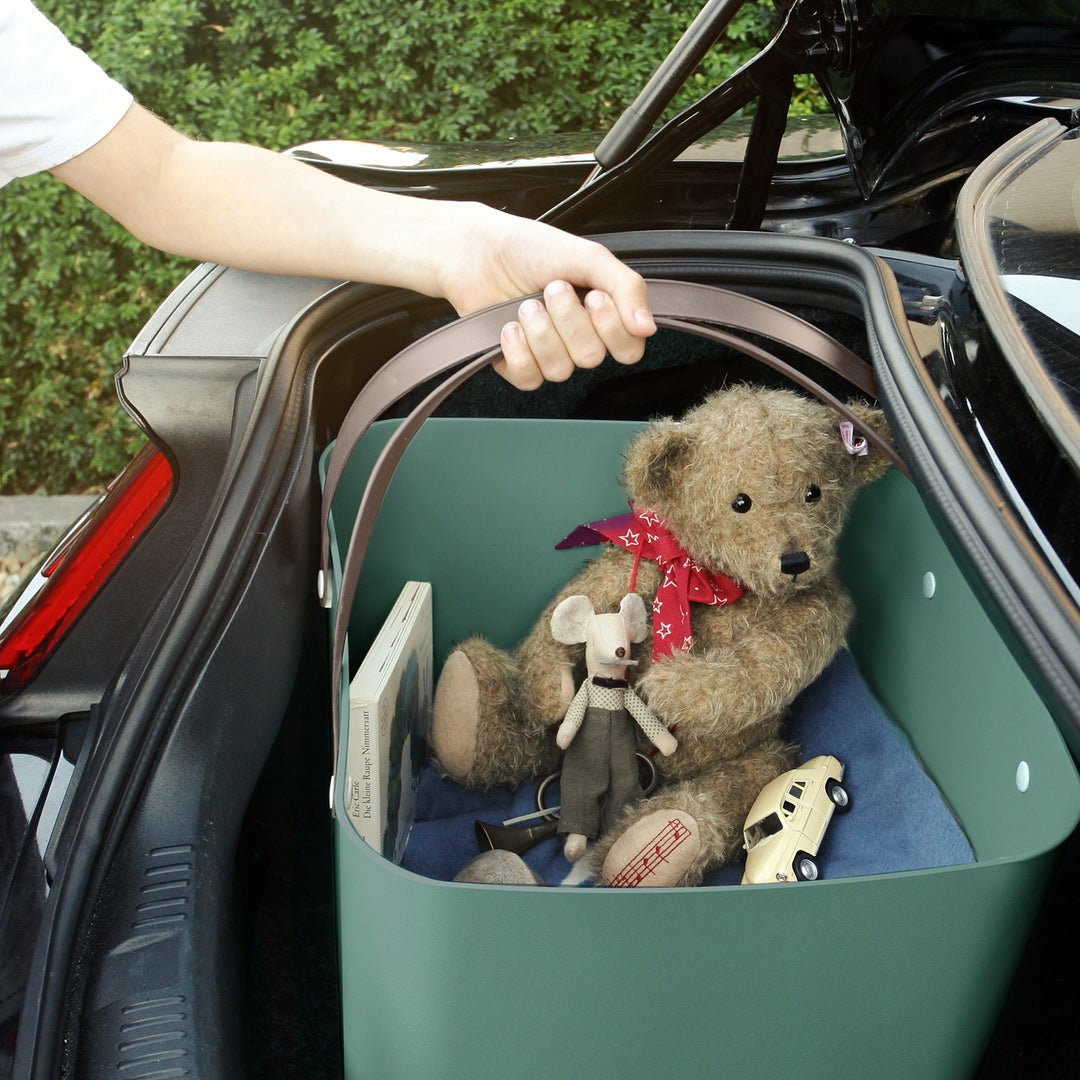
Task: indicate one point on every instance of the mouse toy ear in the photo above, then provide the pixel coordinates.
(632, 609)
(570, 620)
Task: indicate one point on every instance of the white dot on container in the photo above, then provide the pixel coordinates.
(929, 584)
(1023, 776)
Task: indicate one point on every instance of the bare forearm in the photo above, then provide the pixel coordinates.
(206, 207)
(249, 208)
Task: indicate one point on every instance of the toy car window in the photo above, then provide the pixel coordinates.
(768, 826)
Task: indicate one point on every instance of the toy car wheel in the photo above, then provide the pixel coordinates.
(839, 796)
(806, 869)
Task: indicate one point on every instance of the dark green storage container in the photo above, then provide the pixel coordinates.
(899, 974)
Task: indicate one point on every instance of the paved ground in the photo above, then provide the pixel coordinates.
(29, 526)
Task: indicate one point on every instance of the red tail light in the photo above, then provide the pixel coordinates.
(82, 564)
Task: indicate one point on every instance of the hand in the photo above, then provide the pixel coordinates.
(550, 339)
(510, 256)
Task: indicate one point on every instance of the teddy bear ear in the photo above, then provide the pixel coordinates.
(873, 463)
(655, 462)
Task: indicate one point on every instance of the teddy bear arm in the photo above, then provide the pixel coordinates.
(776, 669)
(723, 690)
(782, 653)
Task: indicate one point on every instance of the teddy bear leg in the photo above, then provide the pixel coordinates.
(682, 832)
(477, 737)
(659, 849)
(455, 716)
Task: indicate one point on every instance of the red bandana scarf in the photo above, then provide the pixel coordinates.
(646, 535)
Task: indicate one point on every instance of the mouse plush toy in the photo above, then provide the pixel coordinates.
(731, 543)
(597, 734)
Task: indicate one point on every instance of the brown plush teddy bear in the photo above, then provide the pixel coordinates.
(732, 545)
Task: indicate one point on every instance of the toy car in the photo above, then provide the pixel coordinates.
(787, 823)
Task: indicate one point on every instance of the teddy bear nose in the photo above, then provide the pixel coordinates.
(794, 563)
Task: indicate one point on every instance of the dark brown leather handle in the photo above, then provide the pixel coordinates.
(467, 346)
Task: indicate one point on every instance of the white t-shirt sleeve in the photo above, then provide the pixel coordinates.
(55, 102)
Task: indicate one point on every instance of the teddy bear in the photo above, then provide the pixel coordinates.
(731, 542)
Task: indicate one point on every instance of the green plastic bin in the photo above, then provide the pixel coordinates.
(893, 975)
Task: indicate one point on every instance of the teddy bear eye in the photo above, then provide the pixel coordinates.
(741, 503)
(813, 493)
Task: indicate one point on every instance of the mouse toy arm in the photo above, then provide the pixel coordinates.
(574, 716)
(650, 723)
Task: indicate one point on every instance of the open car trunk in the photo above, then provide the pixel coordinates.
(249, 821)
(202, 912)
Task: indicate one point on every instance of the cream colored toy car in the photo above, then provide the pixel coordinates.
(787, 822)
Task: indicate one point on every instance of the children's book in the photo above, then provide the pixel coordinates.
(389, 717)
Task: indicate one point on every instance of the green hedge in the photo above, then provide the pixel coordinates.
(75, 288)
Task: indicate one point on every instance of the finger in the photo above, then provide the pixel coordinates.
(629, 292)
(517, 364)
(623, 343)
(543, 340)
(572, 323)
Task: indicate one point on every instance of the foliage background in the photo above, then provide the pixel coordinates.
(75, 288)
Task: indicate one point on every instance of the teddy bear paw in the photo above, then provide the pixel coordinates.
(656, 851)
(455, 716)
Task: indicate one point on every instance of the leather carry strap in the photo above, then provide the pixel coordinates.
(467, 346)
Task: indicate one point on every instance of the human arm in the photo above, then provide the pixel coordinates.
(253, 209)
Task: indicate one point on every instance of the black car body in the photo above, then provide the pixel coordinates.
(176, 918)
